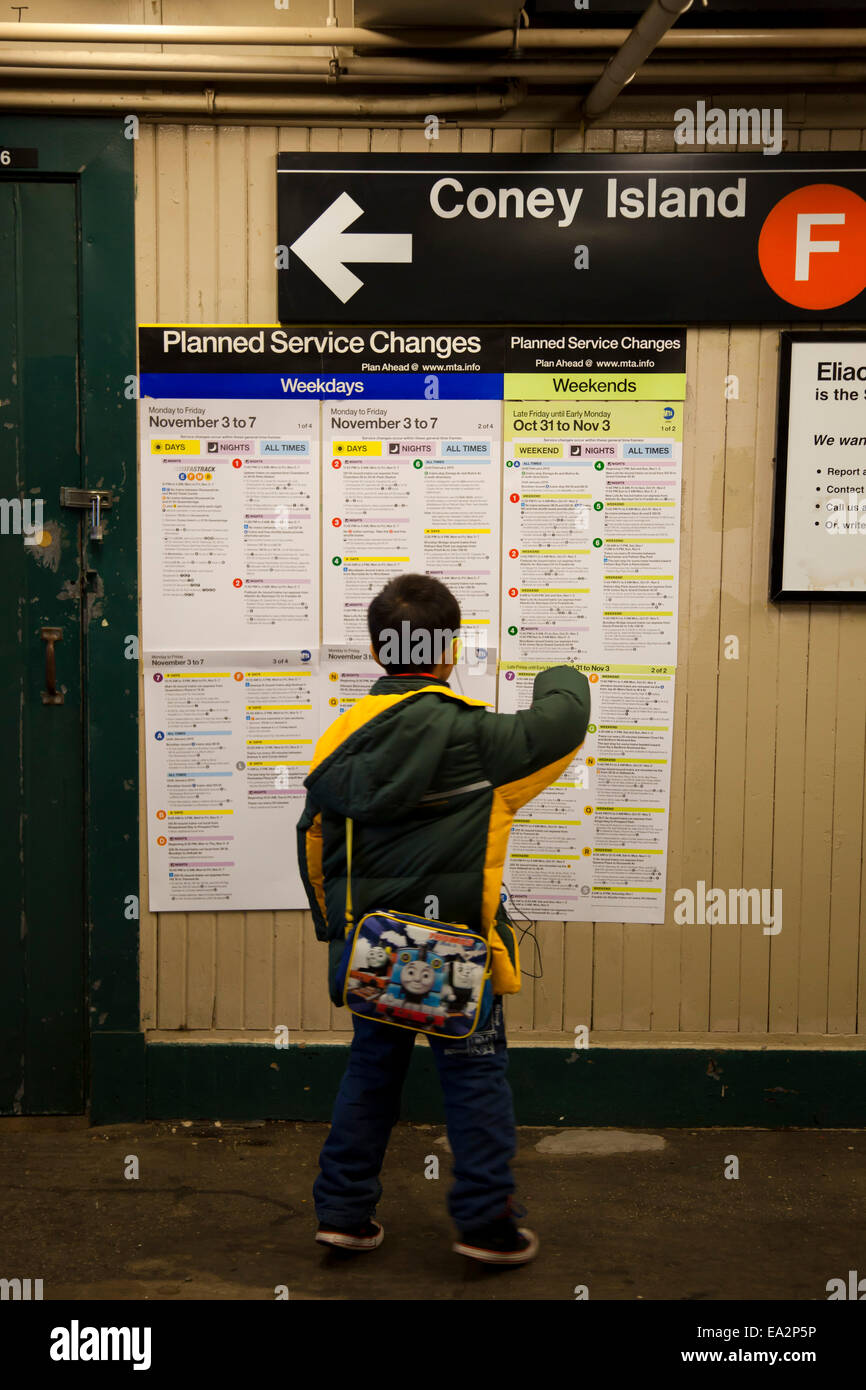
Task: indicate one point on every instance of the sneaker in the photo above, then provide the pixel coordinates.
(500, 1242)
(367, 1236)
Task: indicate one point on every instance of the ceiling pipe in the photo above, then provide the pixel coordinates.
(409, 73)
(404, 39)
(208, 103)
(168, 65)
(653, 24)
(173, 67)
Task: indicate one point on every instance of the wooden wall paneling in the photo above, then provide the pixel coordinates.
(817, 844)
(202, 302)
(315, 1004)
(733, 674)
(201, 970)
(262, 234)
(547, 993)
(761, 659)
(232, 223)
(230, 961)
(288, 928)
(258, 970)
(701, 693)
(171, 221)
(847, 824)
(171, 970)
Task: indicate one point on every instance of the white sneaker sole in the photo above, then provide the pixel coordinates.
(501, 1257)
(347, 1242)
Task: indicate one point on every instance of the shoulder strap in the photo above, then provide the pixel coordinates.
(349, 917)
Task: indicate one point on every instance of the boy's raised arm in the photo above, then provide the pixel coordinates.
(528, 750)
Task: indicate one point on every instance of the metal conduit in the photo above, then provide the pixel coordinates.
(653, 24)
(208, 103)
(355, 71)
(326, 36)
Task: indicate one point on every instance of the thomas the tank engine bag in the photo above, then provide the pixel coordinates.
(432, 977)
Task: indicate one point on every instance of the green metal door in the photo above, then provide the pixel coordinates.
(42, 589)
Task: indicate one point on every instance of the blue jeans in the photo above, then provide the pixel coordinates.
(479, 1113)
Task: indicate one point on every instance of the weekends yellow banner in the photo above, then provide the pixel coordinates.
(593, 386)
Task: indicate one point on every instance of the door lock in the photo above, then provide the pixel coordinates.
(95, 500)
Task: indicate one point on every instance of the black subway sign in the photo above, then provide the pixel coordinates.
(591, 238)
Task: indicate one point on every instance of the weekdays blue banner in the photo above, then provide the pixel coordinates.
(324, 386)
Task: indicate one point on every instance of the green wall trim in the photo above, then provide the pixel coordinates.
(117, 1093)
(635, 1087)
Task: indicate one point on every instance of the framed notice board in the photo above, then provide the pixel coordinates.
(819, 517)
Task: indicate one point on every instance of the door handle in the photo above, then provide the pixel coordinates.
(51, 695)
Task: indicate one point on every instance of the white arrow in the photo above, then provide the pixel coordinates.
(325, 247)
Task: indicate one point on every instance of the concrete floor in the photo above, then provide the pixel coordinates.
(225, 1212)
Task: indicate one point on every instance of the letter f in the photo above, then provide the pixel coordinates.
(805, 246)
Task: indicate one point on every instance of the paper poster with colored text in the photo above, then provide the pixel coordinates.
(230, 737)
(593, 846)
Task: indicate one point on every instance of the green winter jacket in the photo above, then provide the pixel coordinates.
(431, 780)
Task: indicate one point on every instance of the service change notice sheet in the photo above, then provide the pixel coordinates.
(230, 737)
(229, 522)
(410, 486)
(590, 530)
(411, 441)
(593, 846)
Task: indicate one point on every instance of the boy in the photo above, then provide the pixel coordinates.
(431, 780)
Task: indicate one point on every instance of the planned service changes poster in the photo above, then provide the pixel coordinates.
(287, 473)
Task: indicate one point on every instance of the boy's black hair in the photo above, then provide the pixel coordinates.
(426, 605)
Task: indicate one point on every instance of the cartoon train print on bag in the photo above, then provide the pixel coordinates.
(414, 988)
(411, 979)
